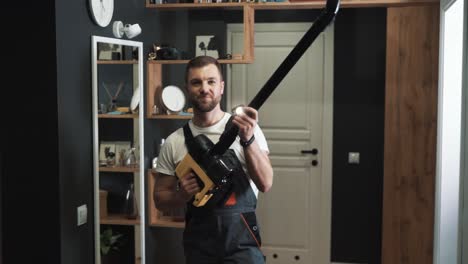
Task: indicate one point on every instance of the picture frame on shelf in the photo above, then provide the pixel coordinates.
(206, 45)
(106, 152)
(108, 51)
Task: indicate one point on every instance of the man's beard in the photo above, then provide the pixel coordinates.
(203, 107)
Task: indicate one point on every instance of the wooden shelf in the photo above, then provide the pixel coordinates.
(186, 61)
(167, 223)
(197, 6)
(119, 220)
(294, 5)
(119, 169)
(117, 62)
(178, 117)
(157, 218)
(118, 116)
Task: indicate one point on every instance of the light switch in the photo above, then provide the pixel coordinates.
(353, 157)
(82, 214)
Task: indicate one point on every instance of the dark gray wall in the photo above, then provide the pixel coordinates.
(1, 199)
(74, 30)
(358, 126)
(30, 176)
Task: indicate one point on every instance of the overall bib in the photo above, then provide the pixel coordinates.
(225, 231)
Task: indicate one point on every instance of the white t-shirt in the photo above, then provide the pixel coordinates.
(174, 150)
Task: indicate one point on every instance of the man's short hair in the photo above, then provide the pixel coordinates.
(202, 61)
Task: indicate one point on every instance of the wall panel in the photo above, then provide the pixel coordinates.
(410, 134)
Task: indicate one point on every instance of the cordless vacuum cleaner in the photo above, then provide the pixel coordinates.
(206, 159)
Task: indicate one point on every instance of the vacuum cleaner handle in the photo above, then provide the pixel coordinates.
(319, 25)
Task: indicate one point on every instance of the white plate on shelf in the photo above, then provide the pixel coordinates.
(173, 98)
(135, 100)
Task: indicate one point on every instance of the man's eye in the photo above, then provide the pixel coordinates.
(211, 82)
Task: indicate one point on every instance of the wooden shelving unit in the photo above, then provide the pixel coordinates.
(107, 179)
(248, 21)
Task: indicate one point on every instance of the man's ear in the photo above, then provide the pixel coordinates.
(222, 87)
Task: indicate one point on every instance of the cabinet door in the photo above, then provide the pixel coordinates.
(117, 96)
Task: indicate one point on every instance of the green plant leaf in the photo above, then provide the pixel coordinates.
(109, 241)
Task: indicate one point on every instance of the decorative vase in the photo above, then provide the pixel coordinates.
(130, 207)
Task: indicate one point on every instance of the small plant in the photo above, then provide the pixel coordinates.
(110, 241)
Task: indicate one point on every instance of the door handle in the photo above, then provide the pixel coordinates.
(310, 151)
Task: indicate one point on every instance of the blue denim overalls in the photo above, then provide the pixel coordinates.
(227, 231)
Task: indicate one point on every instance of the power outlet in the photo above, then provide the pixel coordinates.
(82, 214)
(353, 157)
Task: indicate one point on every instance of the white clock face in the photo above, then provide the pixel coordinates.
(101, 11)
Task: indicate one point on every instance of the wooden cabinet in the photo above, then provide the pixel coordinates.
(118, 143)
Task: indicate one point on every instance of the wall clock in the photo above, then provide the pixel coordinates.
(101, 11)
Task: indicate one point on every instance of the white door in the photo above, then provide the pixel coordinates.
(295, 215)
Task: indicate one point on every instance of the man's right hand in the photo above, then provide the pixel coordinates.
(188, 186)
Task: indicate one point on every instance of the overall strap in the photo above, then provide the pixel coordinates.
(188, 132)
(189, 139)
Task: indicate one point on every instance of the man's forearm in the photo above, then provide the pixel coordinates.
(259, 167)
(165, 194)
(166, 200)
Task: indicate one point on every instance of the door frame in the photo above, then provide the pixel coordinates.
(464, 176)
(443, 235)
(327, 126)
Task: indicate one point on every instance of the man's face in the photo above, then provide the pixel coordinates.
(205, 87)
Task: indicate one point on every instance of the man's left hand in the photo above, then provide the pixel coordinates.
(246, 120)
